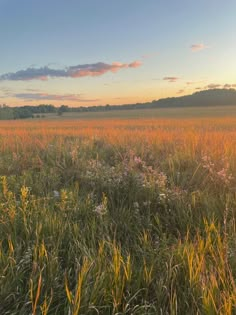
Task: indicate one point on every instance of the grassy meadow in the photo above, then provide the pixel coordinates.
(171, 113)
(128, 215)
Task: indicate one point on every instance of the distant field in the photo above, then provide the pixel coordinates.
(119, 216)
(191, 112)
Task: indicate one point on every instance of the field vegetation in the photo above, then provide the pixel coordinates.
(118, 216)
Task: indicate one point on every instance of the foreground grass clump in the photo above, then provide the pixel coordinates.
(121, 217)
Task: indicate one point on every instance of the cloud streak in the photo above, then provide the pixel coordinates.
(198, 47)
(171, 79)
(217, 86)
(52, 97)
(84, 70)
(194, 82)
(222, 86)
(213, 86)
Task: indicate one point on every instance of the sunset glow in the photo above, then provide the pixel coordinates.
(101, 52)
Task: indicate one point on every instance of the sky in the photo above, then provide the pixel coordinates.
(98, 52)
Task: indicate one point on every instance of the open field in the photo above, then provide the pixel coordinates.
(178, 112)
(119, 216)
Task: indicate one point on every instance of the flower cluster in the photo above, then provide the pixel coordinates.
(220, 172)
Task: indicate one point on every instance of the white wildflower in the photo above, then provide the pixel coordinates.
(56, 194)
(136, 205)
(101, 209)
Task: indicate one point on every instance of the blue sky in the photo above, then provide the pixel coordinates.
(87, 52)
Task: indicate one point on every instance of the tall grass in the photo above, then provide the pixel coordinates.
(118, 217)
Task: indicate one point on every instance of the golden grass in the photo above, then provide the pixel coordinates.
(215, 135)
(142, 222)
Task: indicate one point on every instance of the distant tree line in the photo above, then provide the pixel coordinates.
(23, 112)
(212, 97)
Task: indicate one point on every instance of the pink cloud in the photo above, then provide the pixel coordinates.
(84, 70)
(135, 64)
(171, 79)
(198, 47)
(102, 68)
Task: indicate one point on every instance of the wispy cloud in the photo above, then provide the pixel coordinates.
(213, 86)
(228, 86)
(84, 70)
(4, 91)
(52, 97)
(223, 86)
(194, 82)
(171, 79)
(198, 47)
(217, 86)
(180, 91)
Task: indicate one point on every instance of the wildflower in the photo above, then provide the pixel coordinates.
(74, 155)
(56, 194)
(101, 209)
(136, 205)
(161, 180)
(224, 176)
(138, 160)
(208, 164)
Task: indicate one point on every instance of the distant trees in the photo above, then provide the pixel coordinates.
(23, 112)
(41, 109)
(210, 97)
(6, 112)
(29, 111)
(63, 109)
